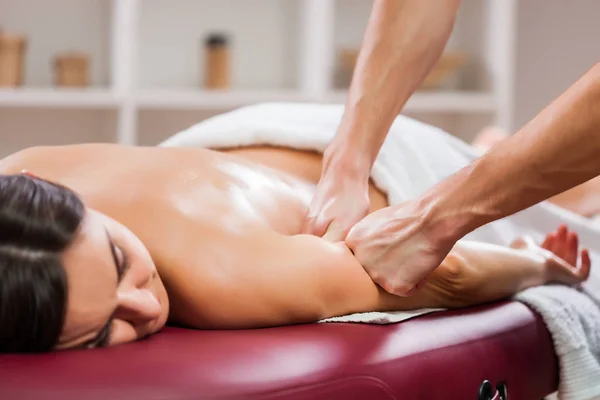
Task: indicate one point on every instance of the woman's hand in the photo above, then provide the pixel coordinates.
(564, 246)
(564, 261)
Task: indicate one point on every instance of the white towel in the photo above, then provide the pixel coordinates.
(414, 157)
(381, 318)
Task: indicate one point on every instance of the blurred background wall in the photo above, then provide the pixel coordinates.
(137, 71)
(557, 43)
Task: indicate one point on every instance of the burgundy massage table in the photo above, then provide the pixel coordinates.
(478, 353)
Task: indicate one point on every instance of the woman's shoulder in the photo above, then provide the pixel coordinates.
(16, 162)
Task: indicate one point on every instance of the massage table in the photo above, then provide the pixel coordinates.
(478, 353)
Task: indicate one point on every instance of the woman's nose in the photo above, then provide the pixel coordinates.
(137, 306)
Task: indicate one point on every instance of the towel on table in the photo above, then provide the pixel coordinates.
(413, 157)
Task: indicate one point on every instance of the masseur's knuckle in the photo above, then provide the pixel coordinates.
(352, 242)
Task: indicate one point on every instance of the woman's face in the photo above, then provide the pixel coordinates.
(115, 295)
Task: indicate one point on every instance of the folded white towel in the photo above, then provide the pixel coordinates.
(573, 319)
(381, 318)
(414, 157)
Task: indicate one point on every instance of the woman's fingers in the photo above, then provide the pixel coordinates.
(572, 248)
(549, 242)
(586, 265)
(564, 245)
(560, 245)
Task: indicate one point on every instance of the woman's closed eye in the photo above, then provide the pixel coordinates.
(121, 261)
(120, 258)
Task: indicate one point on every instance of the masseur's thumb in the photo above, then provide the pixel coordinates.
(314, 224)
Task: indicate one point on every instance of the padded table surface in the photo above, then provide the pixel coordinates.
(439, 356)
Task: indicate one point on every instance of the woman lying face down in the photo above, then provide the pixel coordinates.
(85, 249)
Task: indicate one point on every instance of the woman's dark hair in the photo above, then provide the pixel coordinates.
(38, 221)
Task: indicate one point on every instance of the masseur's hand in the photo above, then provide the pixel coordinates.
(340, 201)
(396, 248)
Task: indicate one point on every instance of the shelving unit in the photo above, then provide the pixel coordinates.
(147, 57)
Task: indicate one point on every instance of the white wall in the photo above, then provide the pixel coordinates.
(157, 126)
(172, 33)
(558, 40)
(21, 128)
(351, 19)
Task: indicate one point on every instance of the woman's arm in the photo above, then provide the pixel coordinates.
(473, 273)
(269, 279)
(265, 279)
(476, 273)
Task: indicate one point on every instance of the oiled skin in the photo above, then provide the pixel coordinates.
(223, 229)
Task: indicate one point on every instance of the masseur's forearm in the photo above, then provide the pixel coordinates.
(403, 41)
(557, 150)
